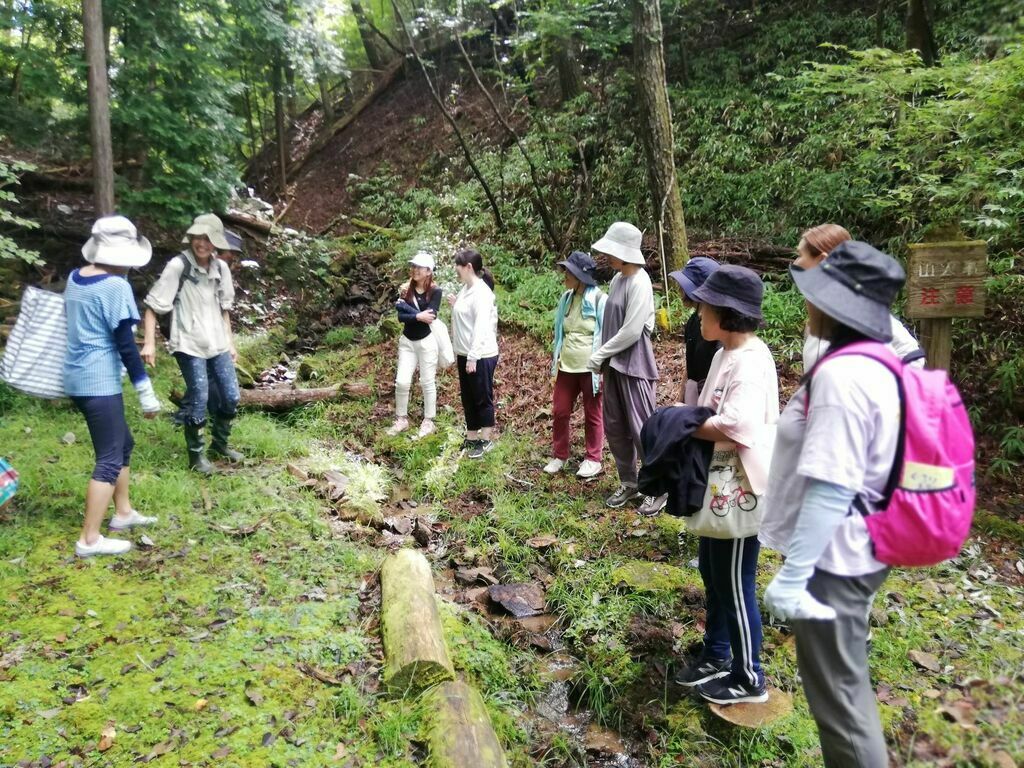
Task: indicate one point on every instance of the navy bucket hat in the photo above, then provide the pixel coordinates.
(580, 266)
(692, 276)
(737, 288)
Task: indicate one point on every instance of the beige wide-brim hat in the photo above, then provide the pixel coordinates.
(208, 224)
(622, 240)
(116, 243)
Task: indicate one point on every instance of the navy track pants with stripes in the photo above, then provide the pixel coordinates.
(733, 624)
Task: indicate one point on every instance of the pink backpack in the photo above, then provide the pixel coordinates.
(925, 514)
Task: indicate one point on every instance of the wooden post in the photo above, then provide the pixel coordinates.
(99, 106)
(945, 280)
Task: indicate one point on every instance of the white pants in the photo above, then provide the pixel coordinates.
(410, 354)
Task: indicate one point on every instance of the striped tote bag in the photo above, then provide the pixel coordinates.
(33, 361)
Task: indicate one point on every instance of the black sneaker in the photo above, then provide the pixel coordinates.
(701, 671)
(479, 448)
(723, 691)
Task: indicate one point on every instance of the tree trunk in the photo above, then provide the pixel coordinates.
(570, 81)
(460, 732)
(290, 94)
(656, 127)
(284, 399)
(415, 655)
(280, 129)
(326, 102)
(920, 32)
(373, 53)
(99, 107)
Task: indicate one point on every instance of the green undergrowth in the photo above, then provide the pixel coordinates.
(194, 646)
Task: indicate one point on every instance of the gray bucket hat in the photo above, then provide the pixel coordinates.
(856, 284)
(623, 241)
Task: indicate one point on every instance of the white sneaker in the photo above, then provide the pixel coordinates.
(400, 425)
(102, 546)
(589, 469)
(118, 523)
(426, 428)
(554, 466)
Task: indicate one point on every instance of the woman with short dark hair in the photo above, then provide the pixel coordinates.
(742, 388)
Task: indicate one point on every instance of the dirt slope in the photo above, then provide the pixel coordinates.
(402, 127)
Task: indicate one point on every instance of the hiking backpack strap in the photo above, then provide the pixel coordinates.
(879, 352)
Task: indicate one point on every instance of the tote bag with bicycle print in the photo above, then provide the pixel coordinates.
(731, 510)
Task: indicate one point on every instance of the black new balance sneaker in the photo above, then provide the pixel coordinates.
(701, 671)
(723, 691)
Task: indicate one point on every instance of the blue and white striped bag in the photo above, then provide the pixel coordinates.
(33, 361)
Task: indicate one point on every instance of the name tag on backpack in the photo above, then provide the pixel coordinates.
(926, 477)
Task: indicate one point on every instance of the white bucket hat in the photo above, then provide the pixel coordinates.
(423, 259)
(116, 243)
(622, 240)
(209, 224)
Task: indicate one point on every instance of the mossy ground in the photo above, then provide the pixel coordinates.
(193, 647)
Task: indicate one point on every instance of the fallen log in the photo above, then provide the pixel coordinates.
(415, 655)
(249, 222)
(286, 398)
(460, 733)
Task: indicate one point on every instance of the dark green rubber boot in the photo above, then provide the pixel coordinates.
(220, 433)
(196, 442)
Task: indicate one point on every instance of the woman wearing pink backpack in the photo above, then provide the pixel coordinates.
(834, 453)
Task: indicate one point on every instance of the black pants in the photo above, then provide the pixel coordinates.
(112, 441)
(477, 390)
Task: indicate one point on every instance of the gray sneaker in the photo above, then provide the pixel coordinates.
(652, 505)
(701, 671)
(620, 497)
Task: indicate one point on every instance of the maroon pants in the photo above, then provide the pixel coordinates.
(567, 387)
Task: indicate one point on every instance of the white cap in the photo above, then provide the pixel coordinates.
(423, 259)
(622, 240)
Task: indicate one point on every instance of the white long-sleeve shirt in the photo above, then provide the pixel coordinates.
(475, 322)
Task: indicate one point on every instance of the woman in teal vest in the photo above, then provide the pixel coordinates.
(577, 336)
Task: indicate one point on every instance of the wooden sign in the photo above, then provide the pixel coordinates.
(946, 279)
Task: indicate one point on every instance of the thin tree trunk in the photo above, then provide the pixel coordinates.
(880, 24)
(554, 235)
(326, 102)
(373, 54)
(99, 107)
(451, 122)
(280, 129)
(291, 105)
(656, 127)
(920, 32)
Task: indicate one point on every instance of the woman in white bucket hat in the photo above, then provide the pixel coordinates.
(196, 287)
(101, 320)
(418, 303)
(626, 358)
